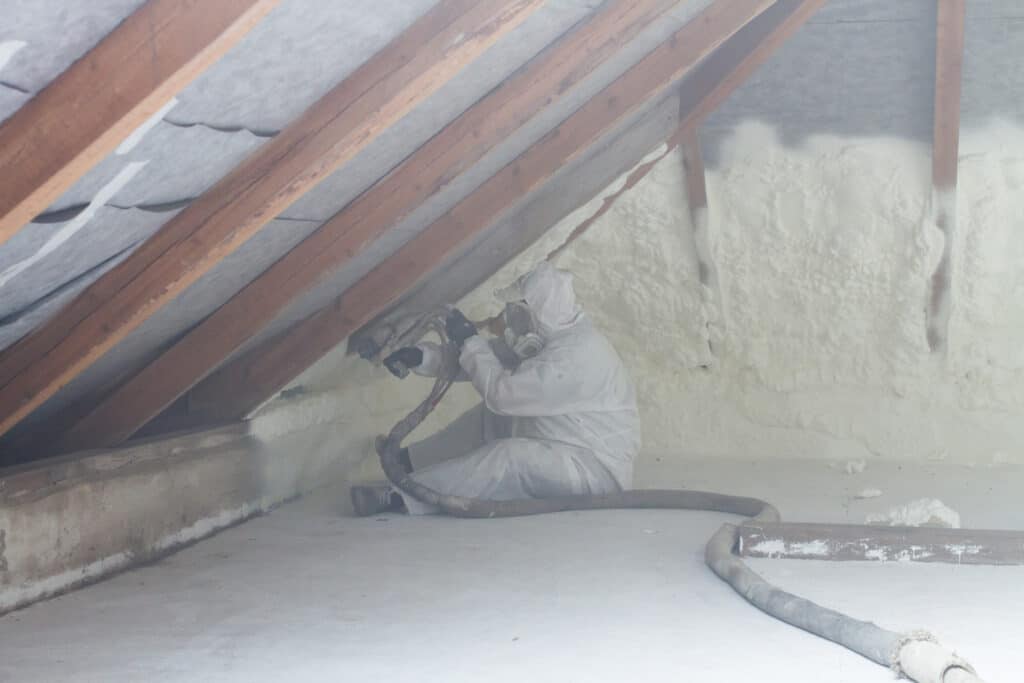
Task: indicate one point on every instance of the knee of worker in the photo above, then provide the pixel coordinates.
(463, 435)
(546, 469)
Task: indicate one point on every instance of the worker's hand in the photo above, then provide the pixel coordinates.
(401, 361)
(458, 327)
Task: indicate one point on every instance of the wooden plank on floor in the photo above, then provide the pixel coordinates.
(244, 384)
(444, 157)
(331, 132)
(949, 55)
(799, 541)
(118, 85)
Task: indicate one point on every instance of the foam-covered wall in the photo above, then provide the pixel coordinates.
(819, 183)
(823, 250)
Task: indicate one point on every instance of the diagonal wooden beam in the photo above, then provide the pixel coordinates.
(241, 386)
(256, 376)
(458, 146)
(331, 132)
(99, 100)
(949, 55)
(712, 80)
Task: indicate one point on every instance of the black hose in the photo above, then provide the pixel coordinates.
(865, 638)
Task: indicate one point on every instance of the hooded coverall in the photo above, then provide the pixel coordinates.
(564, 422)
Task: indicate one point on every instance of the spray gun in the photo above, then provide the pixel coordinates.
(400, 362)
(385, 343)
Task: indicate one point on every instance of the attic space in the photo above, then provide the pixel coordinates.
(512, 340)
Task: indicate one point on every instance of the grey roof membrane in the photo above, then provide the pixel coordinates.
(55, 33)
(180, 165)
(858, 68)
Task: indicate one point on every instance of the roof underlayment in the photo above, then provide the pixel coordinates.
(859, 67)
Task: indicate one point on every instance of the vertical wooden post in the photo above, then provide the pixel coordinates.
(949, 52)
(697, 201)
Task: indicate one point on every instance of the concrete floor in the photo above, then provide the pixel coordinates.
(306, 594)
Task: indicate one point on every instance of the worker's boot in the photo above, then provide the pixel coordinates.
(372, 500)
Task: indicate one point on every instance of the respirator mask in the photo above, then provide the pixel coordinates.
(521, 330)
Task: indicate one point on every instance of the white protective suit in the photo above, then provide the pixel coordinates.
(564, 422)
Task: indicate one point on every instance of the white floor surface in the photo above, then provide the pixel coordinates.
(306, 594)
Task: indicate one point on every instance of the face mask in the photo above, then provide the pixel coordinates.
(521, 330)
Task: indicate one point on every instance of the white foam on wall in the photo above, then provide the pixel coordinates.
(345, 405)
(824, 270)
(921, 512)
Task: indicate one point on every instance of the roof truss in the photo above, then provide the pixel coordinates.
(113, 89)
(241, 386)
(331, 132)
(453, 150)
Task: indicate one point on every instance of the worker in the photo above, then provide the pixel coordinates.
(558, 418)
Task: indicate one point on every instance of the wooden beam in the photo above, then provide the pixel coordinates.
(113, 89)
(949, 54)
(564, 195)
(693, 170)
(840, 542)
(697, 205)
(244, 384)
(330, 133)
(461, 144)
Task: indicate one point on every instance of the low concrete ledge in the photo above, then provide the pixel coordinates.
(73, 520)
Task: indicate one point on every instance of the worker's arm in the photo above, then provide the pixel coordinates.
(430, 366)
(425, 359)
(544, 385)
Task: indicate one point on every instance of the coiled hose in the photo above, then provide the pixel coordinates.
(915, 655)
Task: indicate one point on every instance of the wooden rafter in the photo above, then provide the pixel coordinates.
(244, 384)
(712, 82)
(726, 71)
(331, 132)
(714, 79)
(99, 100)
(949, 52)
(457, 147)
